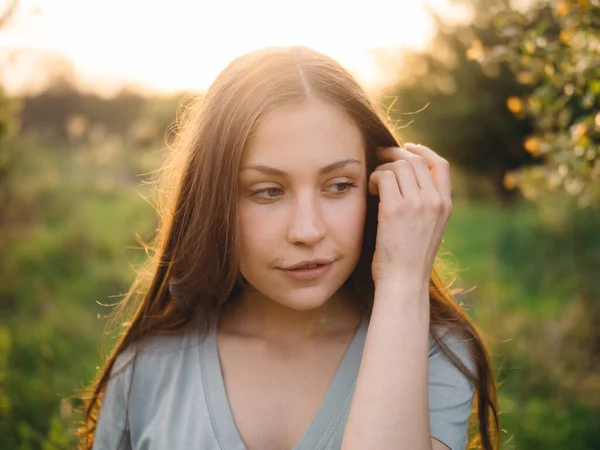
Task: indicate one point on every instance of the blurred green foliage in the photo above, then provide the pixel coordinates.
(534, 288)
(76, 250)
(554, 47)
(72, 167)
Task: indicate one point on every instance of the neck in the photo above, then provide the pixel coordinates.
(255, 316)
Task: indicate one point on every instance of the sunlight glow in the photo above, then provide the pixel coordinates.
(183, 44)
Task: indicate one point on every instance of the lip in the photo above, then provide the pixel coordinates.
(311, 262)
(308, 274)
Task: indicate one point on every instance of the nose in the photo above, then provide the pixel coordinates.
(307, 225)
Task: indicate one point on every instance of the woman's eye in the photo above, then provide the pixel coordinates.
(269, 193)
(340, 188)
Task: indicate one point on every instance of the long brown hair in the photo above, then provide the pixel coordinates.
(192, 267)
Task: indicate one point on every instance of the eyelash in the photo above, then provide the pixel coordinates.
(347, 185)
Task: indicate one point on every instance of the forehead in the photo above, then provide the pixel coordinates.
(309, 133)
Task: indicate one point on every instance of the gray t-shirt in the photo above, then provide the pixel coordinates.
(177, 399)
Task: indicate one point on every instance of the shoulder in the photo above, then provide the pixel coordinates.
(156, 356)
(150, 370)
(447, 381)
(450, 391)
(456, 344)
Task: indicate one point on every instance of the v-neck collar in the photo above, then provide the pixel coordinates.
(322, 425)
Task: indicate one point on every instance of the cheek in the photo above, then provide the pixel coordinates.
(347, 221)
(257, 232)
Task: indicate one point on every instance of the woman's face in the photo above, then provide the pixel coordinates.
(302, 198)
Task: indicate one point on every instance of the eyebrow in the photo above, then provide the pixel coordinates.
(328, 168)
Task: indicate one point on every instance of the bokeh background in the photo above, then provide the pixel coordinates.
(507, 91)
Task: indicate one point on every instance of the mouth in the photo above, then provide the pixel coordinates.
(308, 265)
(306, 271)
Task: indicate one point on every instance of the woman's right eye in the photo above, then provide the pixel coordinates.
(270, 193)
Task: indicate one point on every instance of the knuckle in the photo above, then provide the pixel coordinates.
(388, 174)
(390, 211)
(436, 204)
(416, 204)
(448, 208)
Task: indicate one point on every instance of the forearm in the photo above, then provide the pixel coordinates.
(390, 406)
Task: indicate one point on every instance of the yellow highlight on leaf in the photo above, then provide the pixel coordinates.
(562, 9)
(525, 78)
(476, 50)
(510, 180)
(566, 36)
(514, 104)
(532, 145)
(579, 131)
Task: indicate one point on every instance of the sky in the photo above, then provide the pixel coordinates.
(174, 45)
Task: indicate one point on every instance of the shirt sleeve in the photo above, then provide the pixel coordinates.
(112, 428)
(450, 393)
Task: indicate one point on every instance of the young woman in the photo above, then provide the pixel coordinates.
(291, 300)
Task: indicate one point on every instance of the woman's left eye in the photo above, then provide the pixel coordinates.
(341, 188)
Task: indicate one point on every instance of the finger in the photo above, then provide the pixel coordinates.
(443, 182)
(384, 183)
(440, 168)
(419, 165)
(405, 177)
(424, 152)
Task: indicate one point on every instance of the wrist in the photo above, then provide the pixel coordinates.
(403, 298)
(403, 283)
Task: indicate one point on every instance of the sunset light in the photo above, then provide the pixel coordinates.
(182, 45)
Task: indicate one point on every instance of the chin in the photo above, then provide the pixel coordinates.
(303, 299)
(304, 304)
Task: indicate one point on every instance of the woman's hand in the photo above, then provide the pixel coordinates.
(414, 207)
(390, 407)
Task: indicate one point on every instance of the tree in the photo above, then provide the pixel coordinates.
(460, 104)
(554, 47)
